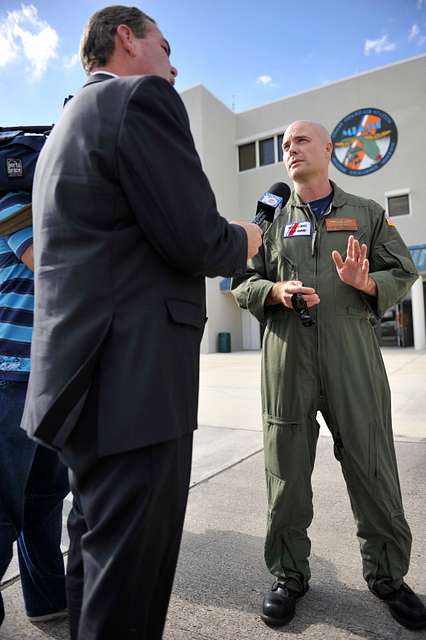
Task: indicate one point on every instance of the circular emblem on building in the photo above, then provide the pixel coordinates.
(364, 141)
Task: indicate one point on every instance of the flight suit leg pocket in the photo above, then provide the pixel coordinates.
(289, 499)
(288, 467)
(280, 438)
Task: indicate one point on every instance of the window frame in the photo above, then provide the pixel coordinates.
(279, 147)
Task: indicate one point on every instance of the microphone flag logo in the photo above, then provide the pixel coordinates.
(271, 200)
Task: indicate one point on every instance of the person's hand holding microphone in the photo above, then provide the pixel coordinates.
(254, 237)
(273, 199)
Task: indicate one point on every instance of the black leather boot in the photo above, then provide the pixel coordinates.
(405, 607)
(279, 605)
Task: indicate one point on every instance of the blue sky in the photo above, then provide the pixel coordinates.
(246, 52)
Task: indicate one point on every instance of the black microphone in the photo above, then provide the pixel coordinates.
(276, 196)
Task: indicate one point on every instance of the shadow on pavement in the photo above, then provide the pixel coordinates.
(224, 570)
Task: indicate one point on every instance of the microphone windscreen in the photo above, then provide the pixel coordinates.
(276, 196)
(282, 190)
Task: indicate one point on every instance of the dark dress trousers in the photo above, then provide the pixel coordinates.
(125, 229)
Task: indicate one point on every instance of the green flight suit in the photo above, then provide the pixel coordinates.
(335, 367)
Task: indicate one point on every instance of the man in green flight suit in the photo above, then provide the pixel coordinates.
(303, 372)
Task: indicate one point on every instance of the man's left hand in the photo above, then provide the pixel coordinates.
(354, 269)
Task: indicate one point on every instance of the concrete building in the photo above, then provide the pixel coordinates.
(377, 120)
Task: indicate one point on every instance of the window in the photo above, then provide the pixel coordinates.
(398, 204)
(266, 152)
(260, 153)
(247, 156)
(280, 147)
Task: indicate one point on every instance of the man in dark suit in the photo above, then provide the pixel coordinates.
(126, 228)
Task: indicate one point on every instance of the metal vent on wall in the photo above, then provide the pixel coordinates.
(398, 205)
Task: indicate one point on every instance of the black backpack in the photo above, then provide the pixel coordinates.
(19, 150)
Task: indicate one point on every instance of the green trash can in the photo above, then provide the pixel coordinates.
(224, 342)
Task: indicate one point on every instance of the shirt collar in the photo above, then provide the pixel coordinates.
(339, 197)
(104, 73)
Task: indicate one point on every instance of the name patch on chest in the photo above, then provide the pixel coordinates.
(341, 224)
(297, 229)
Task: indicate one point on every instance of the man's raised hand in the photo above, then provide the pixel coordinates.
(354, 269)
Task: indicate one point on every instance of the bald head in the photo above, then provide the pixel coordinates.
(314, 127)
(307, 149)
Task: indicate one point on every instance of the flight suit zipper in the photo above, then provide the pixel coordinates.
(318, 225)
(314, 311)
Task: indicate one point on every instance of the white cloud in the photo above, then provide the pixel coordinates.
(24, 35)
(8, 46)
(416, 35)
(70, 61)
(378, 46)
(414, 32)
(264, 80)
(420, 4)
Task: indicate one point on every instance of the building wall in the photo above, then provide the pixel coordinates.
(214, 129)
(398, 89)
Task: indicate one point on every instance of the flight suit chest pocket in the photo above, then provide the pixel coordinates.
(338, 240)
(348, 300)
(280, 267)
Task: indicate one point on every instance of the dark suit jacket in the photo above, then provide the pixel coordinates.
(125, 229)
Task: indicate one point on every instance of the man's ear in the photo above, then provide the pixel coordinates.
(124, 38)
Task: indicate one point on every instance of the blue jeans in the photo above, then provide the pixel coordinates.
(33, 484)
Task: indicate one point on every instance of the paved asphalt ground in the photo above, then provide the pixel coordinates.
(221, 577)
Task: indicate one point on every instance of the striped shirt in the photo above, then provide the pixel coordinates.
(16, 306)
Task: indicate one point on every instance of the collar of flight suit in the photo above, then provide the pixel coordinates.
(339, 197)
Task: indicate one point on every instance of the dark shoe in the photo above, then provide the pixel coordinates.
(406, 607)
(279, 605)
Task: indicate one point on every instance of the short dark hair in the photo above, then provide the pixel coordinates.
(97, 42)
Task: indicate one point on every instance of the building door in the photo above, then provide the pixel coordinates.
(404, 323)
(396, 327)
